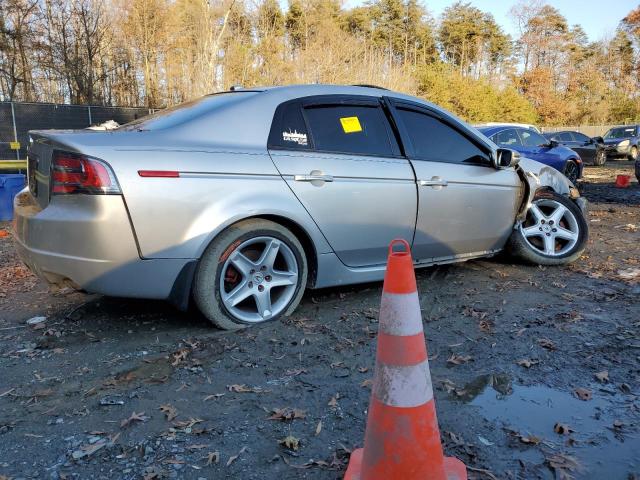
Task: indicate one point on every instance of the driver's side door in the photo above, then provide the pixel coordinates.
(465, 206)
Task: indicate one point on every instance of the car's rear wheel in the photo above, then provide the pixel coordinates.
(572, 171)
(554, 232)
(601, 158)
(633, 153)
(254, 271)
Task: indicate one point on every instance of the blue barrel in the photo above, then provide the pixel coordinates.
(10, 185)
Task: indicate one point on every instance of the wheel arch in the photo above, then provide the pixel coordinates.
(180, 295)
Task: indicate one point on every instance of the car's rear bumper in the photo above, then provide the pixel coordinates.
(86, 241)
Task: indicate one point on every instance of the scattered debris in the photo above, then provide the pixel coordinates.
(287, 413)
(235, 457)
(135, 417)
(583, 393)
(290, 442)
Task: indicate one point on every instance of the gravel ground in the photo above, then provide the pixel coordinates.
(536, 372)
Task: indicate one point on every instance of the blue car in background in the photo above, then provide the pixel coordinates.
(534, 146)
(622, 142)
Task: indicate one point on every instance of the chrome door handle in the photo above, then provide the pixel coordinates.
(434, 182)
(313, 178)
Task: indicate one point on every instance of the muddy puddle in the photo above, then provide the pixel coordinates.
(604, 446)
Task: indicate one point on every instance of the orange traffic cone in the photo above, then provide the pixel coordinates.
(402, 439)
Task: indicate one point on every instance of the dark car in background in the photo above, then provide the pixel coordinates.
(622, 142)
(590, 149)
(536, 147)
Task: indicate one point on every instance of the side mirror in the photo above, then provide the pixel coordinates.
(506, 158)
(598, 139)
(553, 143)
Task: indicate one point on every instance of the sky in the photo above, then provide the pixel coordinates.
(598, 17)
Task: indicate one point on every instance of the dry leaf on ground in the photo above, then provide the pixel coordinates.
(547, 343)
(583, 393)
(562, 428)
(459, 359)
(527, 363)
(603, 377)
(290, 442)
(169, 411)
(213, 457)
(287, 413)
(235, 457)
(135, 417)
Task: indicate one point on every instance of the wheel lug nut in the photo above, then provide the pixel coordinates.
(268, 278)
(554, 229)
(250, 284)
(260, 288)
(540, 228)
(541, 221)
(550, 222)
(548, 234)
(263, 268)
(252, 271)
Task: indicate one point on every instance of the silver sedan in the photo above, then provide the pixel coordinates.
(240, 200)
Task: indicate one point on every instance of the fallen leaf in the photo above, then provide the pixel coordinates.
(459, 359)
(215, 395)
(169, 411)
(562, 429)
(583, 394)
(319, 428)
(214, 457)
(235, 457)
(135, 417)
(363, 369)
(290, 442)
(287, 413)
(367, 383)
(244, 389)
(603, 377)
(527, 363)
(485, 326)
(529, 439)
(547, 343)
(179, 356)
(563, 465)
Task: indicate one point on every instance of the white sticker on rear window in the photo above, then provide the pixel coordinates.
(299, 138)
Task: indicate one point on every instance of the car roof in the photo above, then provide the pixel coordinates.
(245, 123)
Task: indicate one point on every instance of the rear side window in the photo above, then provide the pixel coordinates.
(435, 141)
(507, 138)
(566, 137)
(580, 137)
(289, 130)
(532, 139)
(354, 129)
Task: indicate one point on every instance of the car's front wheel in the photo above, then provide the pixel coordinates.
(554, 232)
(254, 271)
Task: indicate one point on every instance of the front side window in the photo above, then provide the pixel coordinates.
(621, 132)
(532, 139)
(507, 138)
(433, 140)
(355, 129)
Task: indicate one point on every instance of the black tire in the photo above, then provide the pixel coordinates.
(518, 246)
(571, 171)
(600, 158)
(206, 289)
(633, 154)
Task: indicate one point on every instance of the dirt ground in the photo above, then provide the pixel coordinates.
(536, 372)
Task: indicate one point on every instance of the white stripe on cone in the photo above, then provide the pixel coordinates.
(405, 386)
(400, 314)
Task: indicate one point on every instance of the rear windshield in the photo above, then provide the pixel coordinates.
(179, 114)
(622, 132)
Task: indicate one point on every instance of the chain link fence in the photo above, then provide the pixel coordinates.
(16, 119)
(588, 130)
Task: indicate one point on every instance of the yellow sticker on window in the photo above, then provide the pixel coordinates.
(350, 124)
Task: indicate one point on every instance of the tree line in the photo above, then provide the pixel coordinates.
(162, 52)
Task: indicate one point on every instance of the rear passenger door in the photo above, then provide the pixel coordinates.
(341, 159)
(466, 207)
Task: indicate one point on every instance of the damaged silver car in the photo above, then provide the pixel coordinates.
(241, 200)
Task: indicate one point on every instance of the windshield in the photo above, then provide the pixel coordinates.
(621, 132)
(183, 112)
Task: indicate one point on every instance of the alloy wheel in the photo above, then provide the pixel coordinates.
(258, 279)
(571, 171)
(550, 228)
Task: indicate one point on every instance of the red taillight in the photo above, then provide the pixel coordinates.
(75, 173)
